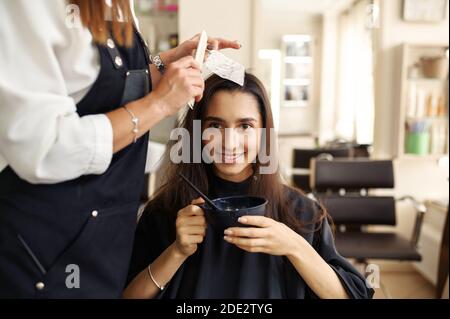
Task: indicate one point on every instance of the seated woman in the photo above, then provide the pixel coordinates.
(288, 253)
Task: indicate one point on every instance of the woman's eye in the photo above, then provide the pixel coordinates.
(246, 126)
(215, 125)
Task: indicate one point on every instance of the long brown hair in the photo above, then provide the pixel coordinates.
(175, 194)
(93, 12)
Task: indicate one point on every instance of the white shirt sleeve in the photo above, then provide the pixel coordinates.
(44, 65)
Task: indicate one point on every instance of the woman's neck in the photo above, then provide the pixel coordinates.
(237, 178)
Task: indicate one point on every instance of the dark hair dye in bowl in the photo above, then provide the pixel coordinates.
(231, 208)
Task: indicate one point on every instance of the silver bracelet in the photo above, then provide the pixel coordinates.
(158, 62)
(135, 121)
(161, 287)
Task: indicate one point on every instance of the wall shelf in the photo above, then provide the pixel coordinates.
(422, 114)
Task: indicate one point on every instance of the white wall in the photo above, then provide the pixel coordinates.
(230, 19)
(273, 24)
(329, 66)
(328, 94)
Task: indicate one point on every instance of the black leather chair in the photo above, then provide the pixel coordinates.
(359, 150)
(302, 159)
(343, 187)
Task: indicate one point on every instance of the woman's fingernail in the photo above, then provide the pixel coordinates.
(228, 232)
(242, 220)
(226, 238)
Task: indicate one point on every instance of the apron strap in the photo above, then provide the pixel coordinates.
(114, 53)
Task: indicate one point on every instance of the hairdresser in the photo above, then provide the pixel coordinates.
(77, 102)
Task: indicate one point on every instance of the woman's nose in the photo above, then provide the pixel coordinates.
(232, 140)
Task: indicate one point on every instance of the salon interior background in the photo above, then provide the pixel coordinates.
(315, 102)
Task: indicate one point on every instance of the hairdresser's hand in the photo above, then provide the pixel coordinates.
(191, 228)
(268, 236)
(188, 47)
(181, 82)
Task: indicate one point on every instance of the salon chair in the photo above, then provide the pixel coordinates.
(302, 159)
(344, 187)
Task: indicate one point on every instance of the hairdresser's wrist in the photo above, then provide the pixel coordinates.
(168, 56)
(156, 107)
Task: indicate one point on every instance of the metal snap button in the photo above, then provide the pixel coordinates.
(94, 213)
(40, 286)
(118, 61)
(110, 44)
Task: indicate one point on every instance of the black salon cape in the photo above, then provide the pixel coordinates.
(221, 270)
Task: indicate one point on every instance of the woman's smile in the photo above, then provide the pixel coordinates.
(230, 158)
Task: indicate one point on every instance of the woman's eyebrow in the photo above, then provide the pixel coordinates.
(218, 119)
(214, 118)
(247, 119)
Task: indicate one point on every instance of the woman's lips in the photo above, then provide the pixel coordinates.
(230, 158)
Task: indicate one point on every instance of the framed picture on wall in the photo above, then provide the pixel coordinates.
(424, 10)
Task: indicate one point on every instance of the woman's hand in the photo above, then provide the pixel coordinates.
(188, 47)
(181, 82)
(191, 228)
(269, 236)
(275, 238)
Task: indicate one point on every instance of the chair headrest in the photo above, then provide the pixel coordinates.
(302, 157)
(351, 174)
(358, 210)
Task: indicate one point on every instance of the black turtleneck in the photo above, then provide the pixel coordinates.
(221, 270)
(220, 187)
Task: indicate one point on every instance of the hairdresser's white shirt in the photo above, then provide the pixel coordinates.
(46, 68)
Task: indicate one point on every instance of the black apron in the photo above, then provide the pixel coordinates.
(74, 239)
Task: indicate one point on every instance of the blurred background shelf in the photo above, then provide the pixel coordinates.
(422, 127)
(297, 73)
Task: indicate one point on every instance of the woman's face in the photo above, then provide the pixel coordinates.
(236, 116)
